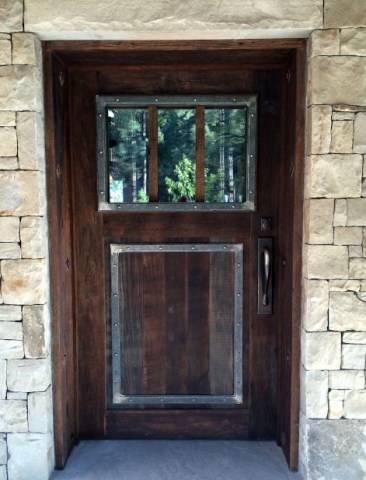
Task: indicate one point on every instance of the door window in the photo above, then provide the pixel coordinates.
(176, 152)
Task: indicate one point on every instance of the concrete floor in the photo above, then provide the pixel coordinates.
(176, 460)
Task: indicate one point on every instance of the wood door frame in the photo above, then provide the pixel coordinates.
(60, 59)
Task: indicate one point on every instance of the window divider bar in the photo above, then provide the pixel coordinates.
(153, 154)
(200, 153)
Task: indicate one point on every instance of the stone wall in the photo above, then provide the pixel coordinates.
(333, 407)
(26, 443)
(333, 394)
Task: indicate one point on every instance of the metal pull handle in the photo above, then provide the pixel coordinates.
(266, 270)
(265, 276)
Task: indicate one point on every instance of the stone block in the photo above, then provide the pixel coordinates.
(348, 236)
(359, 143)
(9, 228)
(338, 116)
(8, 142)
(321, 350)
(342, 13)
(324, 42)
(30, 141)
(353, 357)
(3, 385)
(326, 262)
(30, 456)
(346, 312)
(316, 394)
(11, 349)
(5, 52)
(354, 337)
(11, 331)
(22, 193)
(347, 379)
(7, 119)
(357, 268)
(316, 293)
(331, 82)
(355, 404)
(17, 396)
(333, 176)
(21, 88)
(355, 252)
(11, 15)
(13, 416)
(342, 137)
(189, 18)
(24, 282)
(340, 213)
(28, 375)
(319, 123)
(9, 250)
(353, 41)
(33, 237)
(40, 412)
(336, 398)
(10, 313)
(334, 449)
(26, 49)
(344, 285)
(3, 451)
(356, 212)
(9, 163)
(319, 221)
(34, 331)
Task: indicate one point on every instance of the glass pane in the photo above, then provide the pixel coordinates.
(128, 155)
(225, 150)
(176, 154)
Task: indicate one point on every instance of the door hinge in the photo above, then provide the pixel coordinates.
(288, 76)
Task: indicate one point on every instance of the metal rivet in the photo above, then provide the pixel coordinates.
(115, 383)
(232, 206)
(116, 324)
(156, 206)
(162, 400)
(102, 191)
(114, 294)
(156, 99)
(119, 206)
(100, 151)
(238, 383)
(130, 400)
(239, 264)
(195, 206)
(224, 399)
(234, 99)
(117, 99)
(100, 114)
(192, 248)
(195, 99)
(114, 265)
(238, 294)
(116, 354)
(252, 115)
(225, 247)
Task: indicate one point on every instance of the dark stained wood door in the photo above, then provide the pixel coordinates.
(164, 327)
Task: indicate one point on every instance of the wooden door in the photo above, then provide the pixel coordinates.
(191, 356)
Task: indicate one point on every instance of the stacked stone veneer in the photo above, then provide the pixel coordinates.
(333, 349)
(26, 444)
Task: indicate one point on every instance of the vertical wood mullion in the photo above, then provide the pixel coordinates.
(153, 157)
(200, 153)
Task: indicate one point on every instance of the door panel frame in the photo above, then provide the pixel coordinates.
(63, 58)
